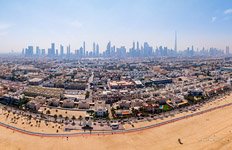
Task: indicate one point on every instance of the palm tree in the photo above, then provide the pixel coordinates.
(80, 118)
(73, 119)
(55, 117)
(48, 112)
(29, 117)
(66, 119)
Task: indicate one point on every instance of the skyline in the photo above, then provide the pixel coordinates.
(202, 24)
(137, 50)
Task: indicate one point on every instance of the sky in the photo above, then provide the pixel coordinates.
(202, 23)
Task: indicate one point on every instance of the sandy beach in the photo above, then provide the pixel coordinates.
(211, 130)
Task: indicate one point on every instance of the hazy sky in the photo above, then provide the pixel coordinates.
(39, 22)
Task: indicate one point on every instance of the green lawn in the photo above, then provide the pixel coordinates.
(166, 107)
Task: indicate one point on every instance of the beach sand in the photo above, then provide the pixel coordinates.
(212, 130)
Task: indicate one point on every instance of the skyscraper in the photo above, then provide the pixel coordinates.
(38, 52)
(121, 52)
(147, 50)
(112, 52)
(61, 50)
(137, 46)
(227, 50)
(68, 51)
(94, 49)
(43, 52)
(23, 51)
(133, 46)
(52, 51)
(108, 49)
(97, 50)
(175, 41)
(108, 46)
(57, 53)
(84, 48)
(29, 51)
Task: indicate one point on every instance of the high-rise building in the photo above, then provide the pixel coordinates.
(147, 50)
(121, 52)
(133, 46)
(112, 51)
(84, 50)
(97, 50)
(29, 51)
(108, 49)
(108, 46)
(57, 53)
(132, 51)
(61, 50)
(137, 46)
(227, 50)
(23, 51)
(68, 50)
(94, 49)
(38, 52)
(43, 53)
(52, 51)
(80, 52)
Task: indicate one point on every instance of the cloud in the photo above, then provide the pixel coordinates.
(213, 19)
(75, 24)
(228, 11)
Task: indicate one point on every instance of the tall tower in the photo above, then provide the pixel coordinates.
(133, 45)
(227, 50)
(97, 50)
(94, 49)
(68, 50)
(53, 50)
(175, 41)
(61, 50)
(84, 48)
(137, 45)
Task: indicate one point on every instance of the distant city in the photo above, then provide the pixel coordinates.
(137, 50)
(115, 74)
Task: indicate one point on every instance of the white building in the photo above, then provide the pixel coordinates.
(100, 109)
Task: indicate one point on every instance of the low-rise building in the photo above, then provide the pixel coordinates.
(100, 109)
(124, 104)
(121, 84)
(123, 112)
(83, 105)
(136, 103)
(35, 81)
(36, 103)
(68, 103)
(54, 102)
(34, 91)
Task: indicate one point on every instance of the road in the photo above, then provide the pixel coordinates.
(89, 87)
